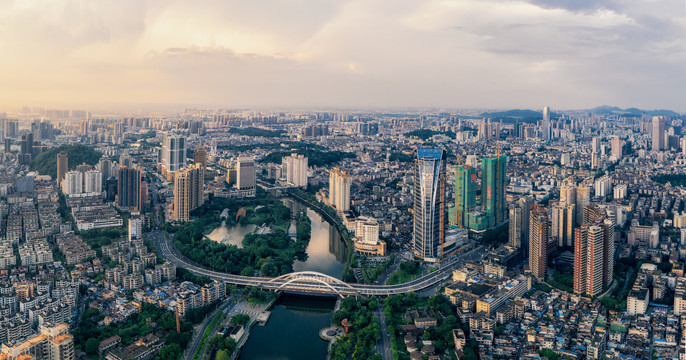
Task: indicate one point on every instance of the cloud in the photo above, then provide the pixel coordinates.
(445, 53)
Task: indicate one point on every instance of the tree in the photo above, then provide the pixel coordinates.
(170, 352)
(223, 355)
(240, 319)
(91, 346)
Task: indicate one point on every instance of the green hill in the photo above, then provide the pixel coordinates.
(46, 162)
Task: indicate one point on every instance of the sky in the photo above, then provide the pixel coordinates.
(494, 54)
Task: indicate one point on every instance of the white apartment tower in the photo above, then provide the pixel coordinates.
(339, 189)
(296, 169)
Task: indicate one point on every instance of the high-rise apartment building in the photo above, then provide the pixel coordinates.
(54, 342)
(588, 260)
(92, 181)
(73, 183)
(129, 188)
(515, 230)
(105, 167)
(135, 227)
(200, 157)
(617, 145)
(539, 235)
(583, 198)
(429, 204)
(296, 169)
(493, 189)
(245, 175)
(465, 193)
(594, 251)
(62, 166)
(26, 148)
(339, 189)
(11, 128)
(658, 133)
(567, 194)
(188, 192)
(173, 152)
(563, 222)
(595, 145)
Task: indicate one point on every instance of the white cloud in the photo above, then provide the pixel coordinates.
(452, 53)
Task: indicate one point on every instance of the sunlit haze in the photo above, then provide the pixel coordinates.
(359, 53)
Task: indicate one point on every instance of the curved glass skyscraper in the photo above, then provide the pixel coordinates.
(429, 204)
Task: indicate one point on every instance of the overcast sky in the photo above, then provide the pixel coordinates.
(453, 54)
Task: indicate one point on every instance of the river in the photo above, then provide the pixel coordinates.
(292, 332)
(326, 252)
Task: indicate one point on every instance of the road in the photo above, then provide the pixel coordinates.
(310, 282)
(384, 345)
(198, 332)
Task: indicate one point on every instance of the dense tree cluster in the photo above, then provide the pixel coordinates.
(674, 179)
(269, 254)
(46, 162)
(364, 330)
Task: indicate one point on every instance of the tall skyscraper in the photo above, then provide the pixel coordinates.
(129, 188)
(493, 189)
(245, 175)
(173, 152)
(658, 134)
(188, 192)
(546, 128)
(465, 193)
(62, 166)
(296, 169)
(429, 204)
(339, 189)
(200, 157)
(515, 230)
(539, 235)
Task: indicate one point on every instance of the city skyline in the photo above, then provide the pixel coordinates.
(454, 54)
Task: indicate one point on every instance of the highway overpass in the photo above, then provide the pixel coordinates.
(308, 281)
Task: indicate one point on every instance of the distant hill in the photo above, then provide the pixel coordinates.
(46, 162)
(517, 115)
(630, 112)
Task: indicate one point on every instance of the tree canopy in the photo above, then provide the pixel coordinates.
(46, 162)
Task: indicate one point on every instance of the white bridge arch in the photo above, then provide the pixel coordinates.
(310, 277)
